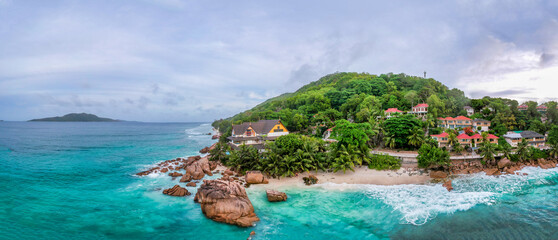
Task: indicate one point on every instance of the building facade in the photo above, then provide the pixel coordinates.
(453, 123)
(481, 125)
(470, 111)
(420, 110)
(256, 133)
(464, 139)
(535, 139)
(392, 111)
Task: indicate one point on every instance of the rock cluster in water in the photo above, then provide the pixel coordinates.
(275, 196)
(176, 191)
(227, 202)
(196, 167)
(448, 185)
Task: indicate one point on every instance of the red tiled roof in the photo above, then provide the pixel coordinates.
(463, 136)
(542, 106)
(490, 136)
(462, 118)
(421, 105)
(522, 106)
(478, 136)
(444, 134)
(390, 110)
(448, 118)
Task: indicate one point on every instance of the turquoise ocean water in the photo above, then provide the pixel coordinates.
(76, 181)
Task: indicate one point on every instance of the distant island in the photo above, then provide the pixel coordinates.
(75, 117)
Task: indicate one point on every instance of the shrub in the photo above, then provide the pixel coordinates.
(431, 155)
(382, 162)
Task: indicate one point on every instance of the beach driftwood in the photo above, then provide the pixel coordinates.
(227, 202)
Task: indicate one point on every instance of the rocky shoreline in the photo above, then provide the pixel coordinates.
(222, 200)
(225, 200)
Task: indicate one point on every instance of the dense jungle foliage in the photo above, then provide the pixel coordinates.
(353, 104)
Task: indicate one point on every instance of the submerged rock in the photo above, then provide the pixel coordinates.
(176, 191)
(448, 186)
(276, 196)
(255, 177)
(227, 202)
(175, 174)
(191, 184)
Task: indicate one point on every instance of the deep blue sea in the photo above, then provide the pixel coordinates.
(76, 181)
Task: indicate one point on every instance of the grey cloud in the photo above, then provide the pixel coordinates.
(213, 59)
(505, 93)
(547, 59)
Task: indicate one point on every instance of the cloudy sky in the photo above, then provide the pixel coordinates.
(178, 60)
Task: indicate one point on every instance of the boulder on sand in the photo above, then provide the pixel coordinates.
(276, 196)
(255, 177)
(225, 201)
(438, 174)
(176, 191)
(310, 180)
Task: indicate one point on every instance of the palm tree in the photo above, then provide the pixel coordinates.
(523, 150)
(342, 160)
(219, 153)
(429, 122)
(506, 150)
(377, 131)
(484, 136)
(416, 138)
(487, 151)
(390, 141)
(553, 152)
(457, 148)
(452, 139)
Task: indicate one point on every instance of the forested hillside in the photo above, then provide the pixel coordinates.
(354, 104)
(361, 97)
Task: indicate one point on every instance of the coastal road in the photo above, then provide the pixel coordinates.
(412, 157)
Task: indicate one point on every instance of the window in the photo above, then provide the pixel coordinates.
(278, 129)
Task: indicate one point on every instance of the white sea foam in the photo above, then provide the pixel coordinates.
(202, 129)
(420, 203)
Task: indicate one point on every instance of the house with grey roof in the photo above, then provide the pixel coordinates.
(256, 133)
(535, 139)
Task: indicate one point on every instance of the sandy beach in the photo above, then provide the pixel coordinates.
(361, 175)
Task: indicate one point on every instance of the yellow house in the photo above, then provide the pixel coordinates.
(256, 133)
